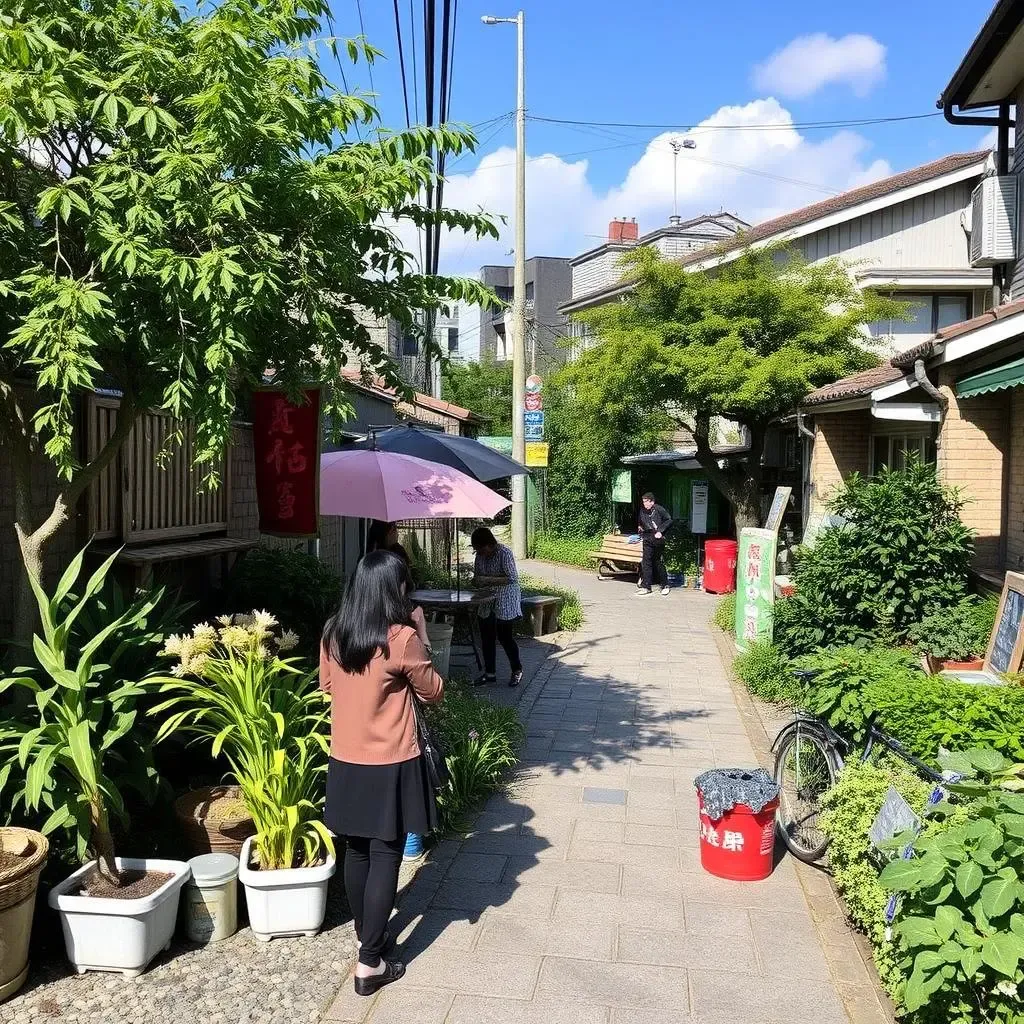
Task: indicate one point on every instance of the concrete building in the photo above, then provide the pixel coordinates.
(548, 284)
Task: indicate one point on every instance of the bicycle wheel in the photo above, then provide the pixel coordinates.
(805, 769)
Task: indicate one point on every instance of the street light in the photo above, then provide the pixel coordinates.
(677, 145)
(518, 296)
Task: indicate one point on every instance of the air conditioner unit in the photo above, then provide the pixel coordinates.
(994, 221)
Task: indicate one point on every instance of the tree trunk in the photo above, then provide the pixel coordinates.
(103, 842)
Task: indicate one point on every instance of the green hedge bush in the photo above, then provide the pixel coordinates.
(725, 614)
(902, 554)
(768, 674)
(570, 618)
(566, 550)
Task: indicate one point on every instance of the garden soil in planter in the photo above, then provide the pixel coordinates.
(134, 885)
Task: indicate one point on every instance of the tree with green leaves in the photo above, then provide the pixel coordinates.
(744, 342)
(486, 388)
(183, 209)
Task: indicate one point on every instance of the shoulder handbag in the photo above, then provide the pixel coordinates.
(430, 748)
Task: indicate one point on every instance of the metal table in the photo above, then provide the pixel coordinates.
(461, 605)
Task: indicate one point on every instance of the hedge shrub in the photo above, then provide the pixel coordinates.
(566, 550)
(725, 614)
(768, 674)
(902, 554)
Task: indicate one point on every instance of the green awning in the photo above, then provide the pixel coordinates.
(1009, 375)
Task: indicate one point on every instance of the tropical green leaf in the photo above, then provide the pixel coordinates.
(1002, 952)
(999, 894)
(901, 875)
(969, 877)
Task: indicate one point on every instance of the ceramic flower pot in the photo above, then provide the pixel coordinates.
(290, 901)
(121, 935)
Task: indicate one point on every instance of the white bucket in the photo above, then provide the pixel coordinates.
(440, 636)
(210, 898)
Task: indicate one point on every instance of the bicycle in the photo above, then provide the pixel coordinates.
(809, 755)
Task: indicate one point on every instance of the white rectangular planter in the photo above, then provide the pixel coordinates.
(291, 901)
(103, 934)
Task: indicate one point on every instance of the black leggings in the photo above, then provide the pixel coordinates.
(371, 883)
(493, 629)
(652, 568)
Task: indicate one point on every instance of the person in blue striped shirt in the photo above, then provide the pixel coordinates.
(496, 567)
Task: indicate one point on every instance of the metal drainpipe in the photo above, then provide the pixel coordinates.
(921, 376)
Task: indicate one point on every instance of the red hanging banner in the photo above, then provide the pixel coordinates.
(286, 444)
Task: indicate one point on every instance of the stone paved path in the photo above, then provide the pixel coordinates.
(578, 898)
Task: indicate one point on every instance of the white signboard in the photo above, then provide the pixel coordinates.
(699, 507)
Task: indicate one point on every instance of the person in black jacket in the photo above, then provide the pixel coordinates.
(654, 523)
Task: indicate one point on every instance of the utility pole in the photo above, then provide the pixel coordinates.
(518, 324)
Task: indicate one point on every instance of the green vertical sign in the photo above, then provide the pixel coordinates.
(755, 586)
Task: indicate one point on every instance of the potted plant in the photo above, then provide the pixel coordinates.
(22, 859)
(232, 689)
(76, 737)
(214, 819)
(954, 637)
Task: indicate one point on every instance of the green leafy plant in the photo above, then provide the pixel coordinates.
(480, 740)
(961, 921)
(725, 614)
(958, 632)
(929, 713)
(566, 550)
(840, 691)
(902, 554)
(296, 587)
(231, 689)
(767, 673)
(71, 750)
(850, 808)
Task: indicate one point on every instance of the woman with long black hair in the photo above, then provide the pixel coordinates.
(375, 662)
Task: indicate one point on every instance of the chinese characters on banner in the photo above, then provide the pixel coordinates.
(755, 586)
(286, 443)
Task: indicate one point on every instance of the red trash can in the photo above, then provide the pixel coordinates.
(739, 846)
(720, 566)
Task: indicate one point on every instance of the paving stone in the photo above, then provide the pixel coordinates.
(597, 795)
(630, 985)
(649, 1016)
(475, 898)
(718, 997)
(715, 919)
(600, 908)
(478, 973)
(581, 940)
(407, 1004)
(477, 867)
(584, 875)
(474, 1010)
(599, 831)
(675, 948)
(444, 928)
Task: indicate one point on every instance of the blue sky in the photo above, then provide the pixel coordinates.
(666, 61)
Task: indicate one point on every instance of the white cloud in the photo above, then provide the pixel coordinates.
(753, 172)
(811, 62)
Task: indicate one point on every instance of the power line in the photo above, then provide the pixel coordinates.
(415, 73)
(341, 67)
(401, 64)
(779, 126)
(362, 32)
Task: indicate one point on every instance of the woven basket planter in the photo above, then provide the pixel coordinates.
(18, 884)
(204, 829)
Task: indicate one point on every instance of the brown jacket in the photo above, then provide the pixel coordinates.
(371, 713)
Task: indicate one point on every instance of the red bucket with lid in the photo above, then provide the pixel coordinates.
(739, 846)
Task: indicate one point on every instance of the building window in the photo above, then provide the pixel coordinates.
(529, 291)
(504, 292)
(930, 313)
(891, 450)
(410, 345)
(453, 339)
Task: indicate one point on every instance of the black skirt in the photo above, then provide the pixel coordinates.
(379, 801)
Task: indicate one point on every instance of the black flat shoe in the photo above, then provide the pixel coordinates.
(517, 678)
(393, 970)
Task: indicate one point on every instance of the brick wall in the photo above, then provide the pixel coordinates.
(243, 515)
(971, 446)
(1015, 485)
(841, 445)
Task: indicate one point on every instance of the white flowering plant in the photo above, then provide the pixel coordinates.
(233, 687)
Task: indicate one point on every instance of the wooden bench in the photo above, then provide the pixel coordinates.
(617, 556)
(541, 613)
(144, 559)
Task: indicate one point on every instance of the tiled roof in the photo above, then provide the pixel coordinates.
(859, 384)
(844, 201)
(925, 349)
(358, 379)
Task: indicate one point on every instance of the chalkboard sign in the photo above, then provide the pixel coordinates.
(1006, 644)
